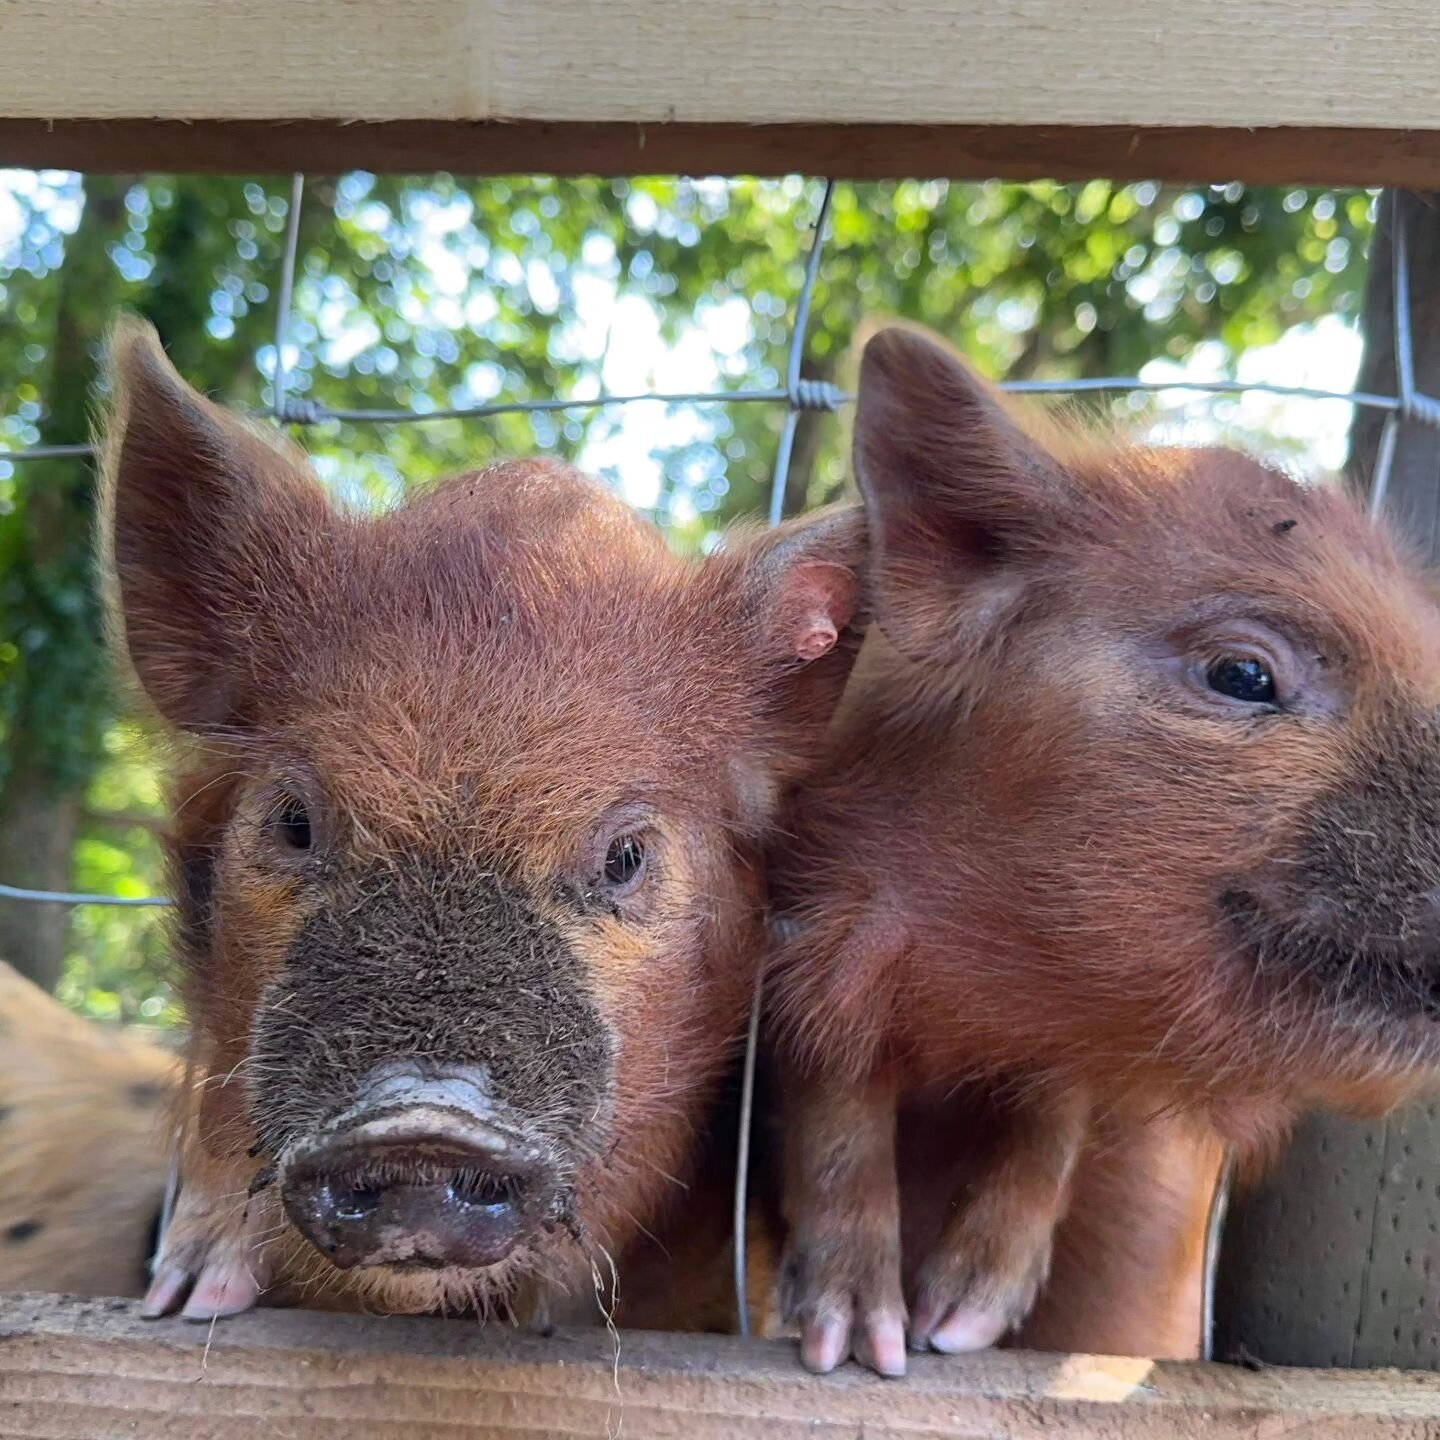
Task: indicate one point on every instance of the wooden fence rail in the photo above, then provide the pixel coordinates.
(92, 1368)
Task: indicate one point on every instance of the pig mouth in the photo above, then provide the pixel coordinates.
(424, 1174)
(412, 1211)
(1382, 984)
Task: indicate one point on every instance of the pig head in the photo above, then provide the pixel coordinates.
(467, 813)
(1166, 726)
(1134, 812)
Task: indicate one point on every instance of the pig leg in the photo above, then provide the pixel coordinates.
(841, 1274)
(982, 1278)
(215, 1259)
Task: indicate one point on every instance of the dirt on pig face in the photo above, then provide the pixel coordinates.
(466, 840)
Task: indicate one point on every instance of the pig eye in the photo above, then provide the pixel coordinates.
(292, 824)
(1242, 677)
(624, 860)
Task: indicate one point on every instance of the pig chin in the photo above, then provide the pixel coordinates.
(1382, 993)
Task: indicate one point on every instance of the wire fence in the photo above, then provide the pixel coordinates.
(799, 395)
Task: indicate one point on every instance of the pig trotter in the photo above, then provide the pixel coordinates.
(983, 1277)
(846, 1301)
(841, 1276)
(213, 1263)
(979, 1284)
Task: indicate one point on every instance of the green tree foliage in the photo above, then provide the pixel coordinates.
(425, 294)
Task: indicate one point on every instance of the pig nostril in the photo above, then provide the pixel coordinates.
(359, 1202)
(483, 1190)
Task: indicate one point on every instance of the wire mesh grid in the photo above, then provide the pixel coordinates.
(798, 395)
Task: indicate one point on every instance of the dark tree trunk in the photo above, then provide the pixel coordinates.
(1413, 495)
(40, 801)
(37, 846)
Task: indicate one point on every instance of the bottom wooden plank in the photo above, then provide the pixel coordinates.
(93, 1368)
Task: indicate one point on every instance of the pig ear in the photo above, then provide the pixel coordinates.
(199, 512)
(804, 615)
(804, 583)
(959, 498)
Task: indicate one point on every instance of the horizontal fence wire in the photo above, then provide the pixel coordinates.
(799, 395)
(815, 395)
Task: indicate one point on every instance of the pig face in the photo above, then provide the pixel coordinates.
(1188, 710)
(466, 830)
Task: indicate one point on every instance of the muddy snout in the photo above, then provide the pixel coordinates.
(424, 1172)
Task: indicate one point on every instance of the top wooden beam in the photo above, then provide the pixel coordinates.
(1365, 63)
(1268, 90)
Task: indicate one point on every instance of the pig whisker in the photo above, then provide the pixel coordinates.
(233, 1195)
(214, 780)
(663, 1173)
(649, 1234)
(228, 1076)
(612, 1329)
(205, 1354)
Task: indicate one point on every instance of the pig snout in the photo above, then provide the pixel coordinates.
(423, 1172)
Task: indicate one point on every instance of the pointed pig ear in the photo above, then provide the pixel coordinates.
(204, 526)
(959, 498)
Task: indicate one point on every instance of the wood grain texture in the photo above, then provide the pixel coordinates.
(1404, 159)
(92, 1368)
(1351, 63)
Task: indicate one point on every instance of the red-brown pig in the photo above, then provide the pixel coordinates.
(1132, 814)
(83, 1150)
(469, 809)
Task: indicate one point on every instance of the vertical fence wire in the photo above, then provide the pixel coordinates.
(800, 397)
(1411, 403)
(286, 299)
(1404, 357)
(796, 404)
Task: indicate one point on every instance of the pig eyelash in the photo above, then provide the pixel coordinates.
(625, 863)
(619, 871)
(291, 824)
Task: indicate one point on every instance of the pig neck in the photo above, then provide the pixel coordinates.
(926, 791)
(906, 744)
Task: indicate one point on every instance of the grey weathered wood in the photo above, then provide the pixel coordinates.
(1333, 1259)
(1362, 64)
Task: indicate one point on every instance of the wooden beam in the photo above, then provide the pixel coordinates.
(1404, 159)
(88, 1368)
(1367, 63)
(1272, 91)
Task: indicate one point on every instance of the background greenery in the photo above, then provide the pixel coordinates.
(426, 292)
